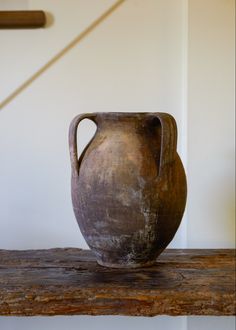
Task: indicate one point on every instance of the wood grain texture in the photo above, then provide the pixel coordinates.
(22, 19)
(70, 282)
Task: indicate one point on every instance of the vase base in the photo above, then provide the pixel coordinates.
(126, 265)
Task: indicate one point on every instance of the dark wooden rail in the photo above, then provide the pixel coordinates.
(69, 282)
(22, 19)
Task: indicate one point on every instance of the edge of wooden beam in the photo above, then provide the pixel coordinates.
(22, 19)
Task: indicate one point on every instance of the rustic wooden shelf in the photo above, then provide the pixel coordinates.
(69, 282)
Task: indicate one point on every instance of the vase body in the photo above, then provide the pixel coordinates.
(128, 186)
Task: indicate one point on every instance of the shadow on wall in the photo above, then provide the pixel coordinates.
(63, 52)
(222, 206)
(49, 20)
(229, 221)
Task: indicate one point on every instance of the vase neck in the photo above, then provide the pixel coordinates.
(115, 120)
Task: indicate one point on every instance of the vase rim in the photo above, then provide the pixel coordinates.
(123, 113)
(114, 115)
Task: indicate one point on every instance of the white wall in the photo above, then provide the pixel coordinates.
(154, 55)
(211, 203)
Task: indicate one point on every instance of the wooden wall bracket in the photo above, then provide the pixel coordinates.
(22, 19)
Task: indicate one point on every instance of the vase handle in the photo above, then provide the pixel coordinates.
(168, 139)
(73, 139)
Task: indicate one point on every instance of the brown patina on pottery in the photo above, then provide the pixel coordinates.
(128, 186)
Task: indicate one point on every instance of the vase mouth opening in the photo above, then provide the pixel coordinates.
(122, 116)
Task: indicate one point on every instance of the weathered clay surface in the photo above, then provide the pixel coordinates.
(70, 282)
(128, 187)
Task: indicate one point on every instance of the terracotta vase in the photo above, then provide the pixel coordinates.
(128, 186)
